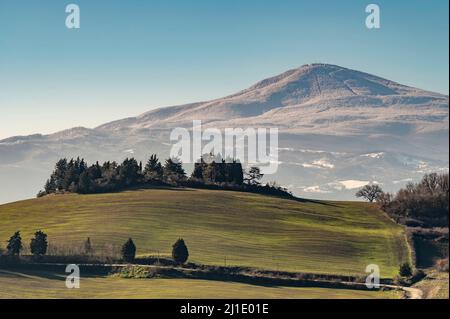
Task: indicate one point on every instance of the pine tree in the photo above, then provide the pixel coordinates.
(14, 244)
(50, 185)
(237, 173)
(199, 167)
(129, 172)
(221, 172)
(173, 171)
(95, 172)
(180, 253)
(209, 172)
(153, 169)
(71, 176)
(38, 244)
(85, 184)
(59, 173)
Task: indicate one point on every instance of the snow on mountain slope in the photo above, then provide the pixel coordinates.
(338, 128)
(310, 98)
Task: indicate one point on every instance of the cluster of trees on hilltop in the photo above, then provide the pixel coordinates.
(215, 170)
(425, 203)
(76, 176)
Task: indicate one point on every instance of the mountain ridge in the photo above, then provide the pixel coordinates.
(232, 108)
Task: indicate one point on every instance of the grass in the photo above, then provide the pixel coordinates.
(221, 227)
(435, 285)
(52, 285)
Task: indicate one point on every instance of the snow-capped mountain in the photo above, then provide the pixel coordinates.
(339, 128)
(315, 98)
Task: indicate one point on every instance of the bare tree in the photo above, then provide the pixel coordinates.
(430, 183)
(384, 200)
(370, 192)
(443, 183)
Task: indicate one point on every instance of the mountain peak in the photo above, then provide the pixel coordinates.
(295, 74)
(328, 80)
(317, 87)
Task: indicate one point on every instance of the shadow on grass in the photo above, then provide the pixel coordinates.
(192, 189)
(51, 273)
(313, 201)
(30, 274)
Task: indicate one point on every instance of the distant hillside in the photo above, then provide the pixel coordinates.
(220, 226)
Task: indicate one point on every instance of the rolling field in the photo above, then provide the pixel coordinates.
(52, 285)
(220, 227)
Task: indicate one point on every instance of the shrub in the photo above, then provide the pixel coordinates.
(134, 272)
(129, 250)
(405, 270)
(418, 275)
(180, 253)
(38, 244)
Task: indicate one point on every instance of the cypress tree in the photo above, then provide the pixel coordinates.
(129, 250)
(38, 244)
(14, 244)
(180, 253)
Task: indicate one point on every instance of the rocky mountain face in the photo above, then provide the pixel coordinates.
(339, 129)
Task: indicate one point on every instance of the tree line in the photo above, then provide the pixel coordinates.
(76, 176)
(425, 203)
(39, 246)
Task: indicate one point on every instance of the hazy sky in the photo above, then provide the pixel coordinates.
(132, 56)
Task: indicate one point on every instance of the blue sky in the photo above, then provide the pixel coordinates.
(132, 56)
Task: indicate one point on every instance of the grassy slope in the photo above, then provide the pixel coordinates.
(435, 285)
(247, 229)
(52, 285)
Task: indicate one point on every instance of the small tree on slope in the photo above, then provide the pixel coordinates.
(129, 250)
(180, 253)
(14, 244)
(370, 192)
(38, 244)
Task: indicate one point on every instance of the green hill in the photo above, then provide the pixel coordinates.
(241, 228)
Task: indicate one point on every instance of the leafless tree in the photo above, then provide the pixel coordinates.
(370, 192)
